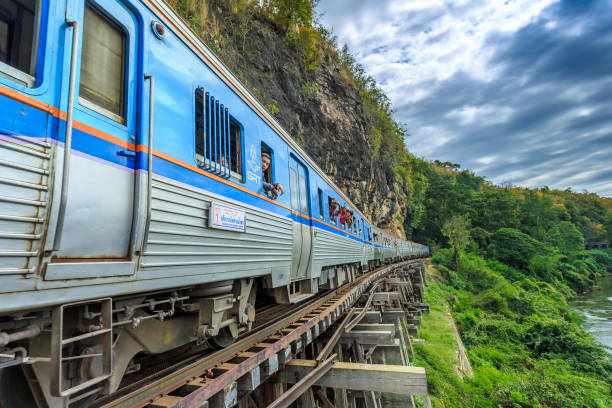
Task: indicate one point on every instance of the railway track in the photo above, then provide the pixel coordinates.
(218, 377)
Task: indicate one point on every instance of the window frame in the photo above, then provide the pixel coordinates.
(294, 189)
(235, 175)
(303, 186)
(91, 105)
(271, 169)
(29, 79)
(203, 162)
(321, 209)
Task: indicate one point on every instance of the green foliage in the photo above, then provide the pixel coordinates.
(565, 237)
(607, 224)
(525, 348)
(309, 90)
(272, 108)
(456, 229)
(289, 14)
(603, 257)
(295, 19)
(515, 248)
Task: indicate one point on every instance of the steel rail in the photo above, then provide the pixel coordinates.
(321, 314)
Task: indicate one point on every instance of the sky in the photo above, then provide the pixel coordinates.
(519, 91)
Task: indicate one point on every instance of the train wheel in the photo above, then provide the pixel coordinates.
(223, 339)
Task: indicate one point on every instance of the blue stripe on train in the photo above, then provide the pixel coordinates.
(107, 151)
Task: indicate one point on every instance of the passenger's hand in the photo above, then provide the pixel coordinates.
(274, 193)
(280, 187)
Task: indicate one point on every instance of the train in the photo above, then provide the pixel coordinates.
(136, 215)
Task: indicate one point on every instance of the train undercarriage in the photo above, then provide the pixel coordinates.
(71, 354)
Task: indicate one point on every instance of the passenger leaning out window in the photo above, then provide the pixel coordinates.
(270, 188)
(334, 210)
(344, 216)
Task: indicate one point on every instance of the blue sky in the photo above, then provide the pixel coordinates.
(520, 91)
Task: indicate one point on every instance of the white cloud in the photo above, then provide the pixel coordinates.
(439, 62)
(433, 49)
(483, 115)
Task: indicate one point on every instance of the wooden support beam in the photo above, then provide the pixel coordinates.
(340, 395)
(250, 381)
(379, 297)
(423, 307)
(323, 398)
(382, 337)
(399, 282)
(371, 316)
(165, 401)
(307, 400)
(391, 316)
(396, 343)
(226, 398)
(394, 379)
(375, 327)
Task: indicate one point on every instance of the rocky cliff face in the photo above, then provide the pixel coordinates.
(319, 107)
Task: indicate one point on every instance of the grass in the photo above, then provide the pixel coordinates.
(439, 353)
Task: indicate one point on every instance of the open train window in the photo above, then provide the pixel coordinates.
(218, 137)
(267, 156)
(103, 65)
(19, 26)
(333, 210)
(321, 213)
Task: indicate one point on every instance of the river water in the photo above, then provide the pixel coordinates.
(596, 307)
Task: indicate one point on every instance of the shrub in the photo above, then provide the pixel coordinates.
(515, 248)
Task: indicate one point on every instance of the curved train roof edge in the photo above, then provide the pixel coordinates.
(176, 23)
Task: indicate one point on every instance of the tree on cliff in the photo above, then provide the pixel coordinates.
(456, 229)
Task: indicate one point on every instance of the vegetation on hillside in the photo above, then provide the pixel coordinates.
(526, 348)
(508, 290)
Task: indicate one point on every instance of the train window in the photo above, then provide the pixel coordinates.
(294, 189)
(19, 20)
(332, 207)
(218, 137)
(236, 148)
(321, 214)
(103, 65)
(268, 174)
(303, 195)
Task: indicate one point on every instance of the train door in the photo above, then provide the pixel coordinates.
(302, 239)
(99, 206)
(362, 235)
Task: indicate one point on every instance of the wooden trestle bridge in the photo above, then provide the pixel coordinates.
(348, 347)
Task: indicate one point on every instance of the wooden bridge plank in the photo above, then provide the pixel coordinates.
(363, 377)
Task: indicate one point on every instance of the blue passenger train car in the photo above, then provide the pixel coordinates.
(135, 213)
